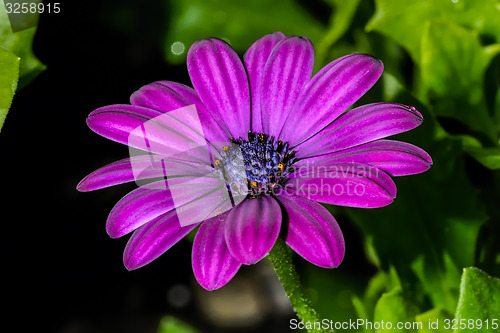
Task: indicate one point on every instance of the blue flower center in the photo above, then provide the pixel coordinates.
(256, 166)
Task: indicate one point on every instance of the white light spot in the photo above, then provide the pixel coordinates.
(454, 1)
(177, 48)
(178, 296)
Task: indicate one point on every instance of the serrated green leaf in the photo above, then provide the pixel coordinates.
(433, 320)
(479, 299)
(453, 72)
(9, 75)
(170, 324)
(239, 23)
(404, 21)
(20, 43)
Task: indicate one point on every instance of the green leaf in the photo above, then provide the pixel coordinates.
(479, 299)
(433, 320)
(171, 324)
(393, 308)
(9, 75)
(404, 21)
(453, 73)
(379, 284)
(340, 20)
(240, 23)
(20, 43)
(489, 157)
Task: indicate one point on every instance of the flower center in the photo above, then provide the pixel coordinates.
(256, 166)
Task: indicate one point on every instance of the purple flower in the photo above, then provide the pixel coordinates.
(281, 141)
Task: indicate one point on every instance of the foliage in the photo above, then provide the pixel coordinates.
(25, 67)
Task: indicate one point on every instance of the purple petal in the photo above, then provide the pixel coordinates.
(140, 168)
(330, 92)
(146, 203)
(115, 122)
(213, 264)
(220, 80)
(255, 60)
(252, 228)
(354, 185)
(152, 240)
(166, 96)
(360, 125)
(394, 157)
(153, 131)
(313, 232)
(286, 72)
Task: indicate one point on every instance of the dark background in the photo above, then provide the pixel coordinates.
(64, 274)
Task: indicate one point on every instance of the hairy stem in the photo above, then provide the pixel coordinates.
(281, 258)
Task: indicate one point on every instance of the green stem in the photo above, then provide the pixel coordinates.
(281, 258)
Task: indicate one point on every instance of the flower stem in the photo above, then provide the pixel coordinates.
(281, 258)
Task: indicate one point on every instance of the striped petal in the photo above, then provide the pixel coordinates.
(171, 135)
(354, 185)
(255, 60)
(286, 72)
(146, 203)
(312, 231)
(330, 92)
(154, 238)
(360, 125)
(394, 157)
(166, 96)
(213, 264)
(139, 168)
(252, 228)
(220, 79)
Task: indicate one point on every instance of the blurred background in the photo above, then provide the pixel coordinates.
(403, 262)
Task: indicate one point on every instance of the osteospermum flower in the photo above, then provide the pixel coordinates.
(279, 140)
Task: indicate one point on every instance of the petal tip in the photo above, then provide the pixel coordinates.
(130, 264)
(81, 186)
(112, 231)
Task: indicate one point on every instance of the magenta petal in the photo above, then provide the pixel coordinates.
(140, 168)
(169, 135)
(116, 122)
(220, 80)
(394, 157)
(213, 264)
(152, 240)
(255, 60)
(360, 125)
(286, 72)
(313, 232)
(354, 185)
(252, 228)
(166, 96)
(329, 93)
(146, 203)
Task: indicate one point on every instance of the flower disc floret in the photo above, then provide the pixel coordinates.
(256, 166)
